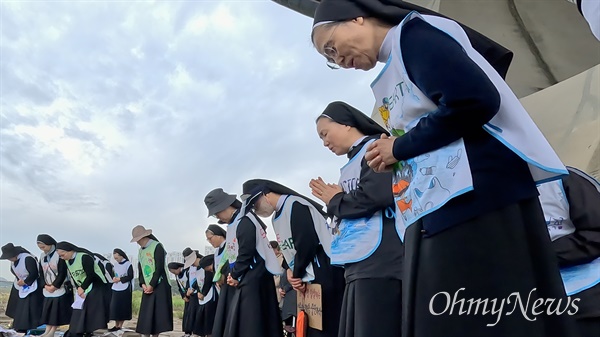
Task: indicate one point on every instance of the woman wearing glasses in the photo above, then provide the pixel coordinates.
(253, 311)
(465, 156)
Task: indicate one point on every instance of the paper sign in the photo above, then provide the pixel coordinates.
(78, 303)
(312, 303)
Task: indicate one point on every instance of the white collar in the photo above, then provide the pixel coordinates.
(280, 202)
(386, 46)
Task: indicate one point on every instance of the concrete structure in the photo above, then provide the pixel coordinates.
(552, 43)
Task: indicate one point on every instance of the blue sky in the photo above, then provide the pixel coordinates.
(123, 113)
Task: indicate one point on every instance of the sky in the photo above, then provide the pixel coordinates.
(117, 113)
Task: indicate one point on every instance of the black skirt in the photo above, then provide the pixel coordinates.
(206, 316)
(28, 310)
(332, 283)
(120, 305)
(223, 306)
(371, 307)
(489, 257)
(57, 311)
(107, 299)
(93, 314)
(13, 300)
(190, 313)
(254, 309)
(589, 327)
(156, 311)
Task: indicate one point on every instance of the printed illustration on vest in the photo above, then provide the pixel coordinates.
(231, 245)
(384, 112)
(555, 223)
(333, 227)
(286, 244)
(76, 274)
(408, 198)
(404, 172)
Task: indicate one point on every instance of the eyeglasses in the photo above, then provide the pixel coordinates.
(330, 52)
(209, 238)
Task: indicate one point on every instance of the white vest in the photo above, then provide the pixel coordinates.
(50, 272)
(556, 212)
(283, 230)
(355, 239)
(120, 270)
(21, 271)
(182, 281)
(425, 183)
(263, 247)
(201, 278)
(217, 261)
(192, 275)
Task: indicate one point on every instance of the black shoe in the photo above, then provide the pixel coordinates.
(114, 328)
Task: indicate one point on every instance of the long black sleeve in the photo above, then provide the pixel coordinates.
(141, 275)
(129, 276)
(62, 273)
(208, 276)
(465, 96)
(583, 245)
(110, 270)
(102, 270)
(159, 263)
(305, 238)
(246, 235)
(32, 269)
(88, 267)
(373, 193)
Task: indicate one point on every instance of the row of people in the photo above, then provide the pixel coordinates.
(363, 239)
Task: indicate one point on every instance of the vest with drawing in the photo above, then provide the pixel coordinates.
(201, 279)
(220, 260)
(354, 240)
(148, 263)
(21, 271)
(283, 231)
(192, 273)
(425, 183)
(77, 272)
(556, 212)
(182, 281)
(121, 270)
(263, 247)
(50, 272)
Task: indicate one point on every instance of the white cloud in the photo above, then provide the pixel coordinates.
(115, 114)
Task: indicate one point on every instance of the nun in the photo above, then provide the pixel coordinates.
(193, 276)
(465, 157)
(57, 290)
(107, 270)
(304, 238)
(208, 296)
(89, 312)
(253, 311)
(365, 240)
(25, 301)
(156, 308)
(181, 279)
(121, 288)
(215, 235)
(573, 219)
